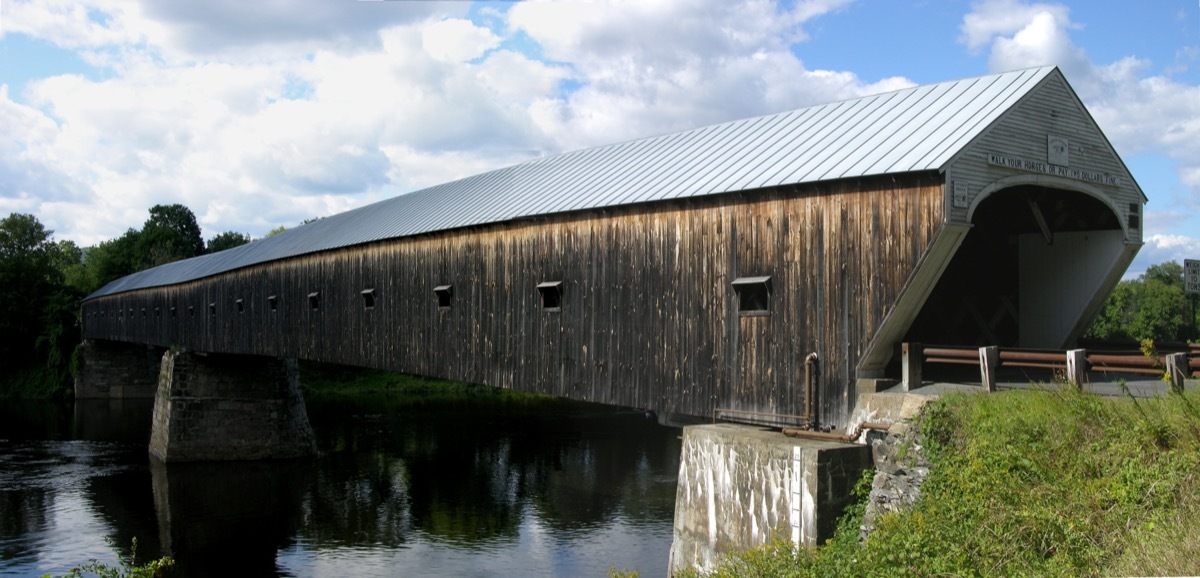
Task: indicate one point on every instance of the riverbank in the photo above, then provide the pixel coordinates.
(328, 380)
(1038, 483)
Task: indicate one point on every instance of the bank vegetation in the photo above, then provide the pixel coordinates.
(1029, 483)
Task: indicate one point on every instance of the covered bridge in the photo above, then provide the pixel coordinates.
(695, 271)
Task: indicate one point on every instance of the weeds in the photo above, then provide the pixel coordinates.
(1034, 483)
(125, 568)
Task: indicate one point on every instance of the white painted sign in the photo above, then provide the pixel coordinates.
(1051, 169)
(1058, 150)
(960, 194)
(1191, 276)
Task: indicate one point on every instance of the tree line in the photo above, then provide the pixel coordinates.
(1153, 306)
(42, 282)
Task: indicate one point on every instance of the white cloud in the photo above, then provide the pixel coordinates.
(1139, 113)
(1161, 249)
(1043, 40)
(79, 23)
(997, 18)
(232, 27)
(261, 114)
(456, 40)
(249, 145)
(654, 67)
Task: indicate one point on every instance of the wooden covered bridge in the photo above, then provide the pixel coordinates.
(695, 272)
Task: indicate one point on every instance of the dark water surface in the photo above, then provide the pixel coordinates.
(432, 487)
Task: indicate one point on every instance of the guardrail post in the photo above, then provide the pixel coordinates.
(1177, 368)
(1077, 367)
(989, 361)
(911, 365)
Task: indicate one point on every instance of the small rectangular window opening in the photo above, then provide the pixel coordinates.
(143, 312)
(314, 300)
(445, 295)
(551, 292)
(241, 306)
(131, 312)
(1135, 216)
(754, 295)
(212, 309)
(191, 310)
(273, 303)
(174, 314)
(158, 313)
(368, 298)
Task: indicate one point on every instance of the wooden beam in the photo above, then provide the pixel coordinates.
(1041, 221)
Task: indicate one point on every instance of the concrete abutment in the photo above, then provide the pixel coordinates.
(745, 486)
(115, 370)
(217, 407)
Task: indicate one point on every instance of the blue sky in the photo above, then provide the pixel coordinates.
(257, 115)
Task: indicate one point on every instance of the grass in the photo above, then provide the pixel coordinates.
(1030, 483)
(340, 381)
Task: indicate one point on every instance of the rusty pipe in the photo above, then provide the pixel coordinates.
(810, 361)
(796, 432)
(835, 436)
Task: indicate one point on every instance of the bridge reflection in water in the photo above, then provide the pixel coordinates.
(432, 487)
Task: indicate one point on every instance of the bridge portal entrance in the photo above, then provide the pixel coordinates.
(1030, 272)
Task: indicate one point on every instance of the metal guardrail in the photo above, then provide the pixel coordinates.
(1178, 361)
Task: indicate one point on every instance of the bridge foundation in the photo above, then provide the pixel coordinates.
(743, 486)
(215, 407)
(114, 370)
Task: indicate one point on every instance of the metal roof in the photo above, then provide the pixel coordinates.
(914, 129)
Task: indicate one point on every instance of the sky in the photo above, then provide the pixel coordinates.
(266, 113)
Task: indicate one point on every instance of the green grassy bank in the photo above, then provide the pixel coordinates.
(327, 380)
(1030, 483)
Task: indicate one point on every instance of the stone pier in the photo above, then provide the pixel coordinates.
(743, 486)
(216, 407)
(114, 370)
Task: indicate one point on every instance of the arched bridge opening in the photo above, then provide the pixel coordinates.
(1030, 272)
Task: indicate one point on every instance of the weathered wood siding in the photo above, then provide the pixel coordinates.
(648, 316)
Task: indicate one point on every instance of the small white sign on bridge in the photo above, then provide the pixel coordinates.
(1191, 276)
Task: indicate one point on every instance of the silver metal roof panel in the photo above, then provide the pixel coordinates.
(751, 147)
(924, 102)
(769, 148)
(914, 129)
(963, 119)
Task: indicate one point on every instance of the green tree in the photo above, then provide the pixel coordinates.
(112, 259)
(226, 240)
(1153, 306)
(38, 311)
(27, 274)
(1113, 321)
(1161, 312)
(170, 234)
(1169, 273)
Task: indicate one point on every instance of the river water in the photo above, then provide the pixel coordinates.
(402, 487)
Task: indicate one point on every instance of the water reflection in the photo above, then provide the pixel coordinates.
(432, 486)
(214, 515)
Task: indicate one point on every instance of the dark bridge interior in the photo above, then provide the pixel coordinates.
(977, 299)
